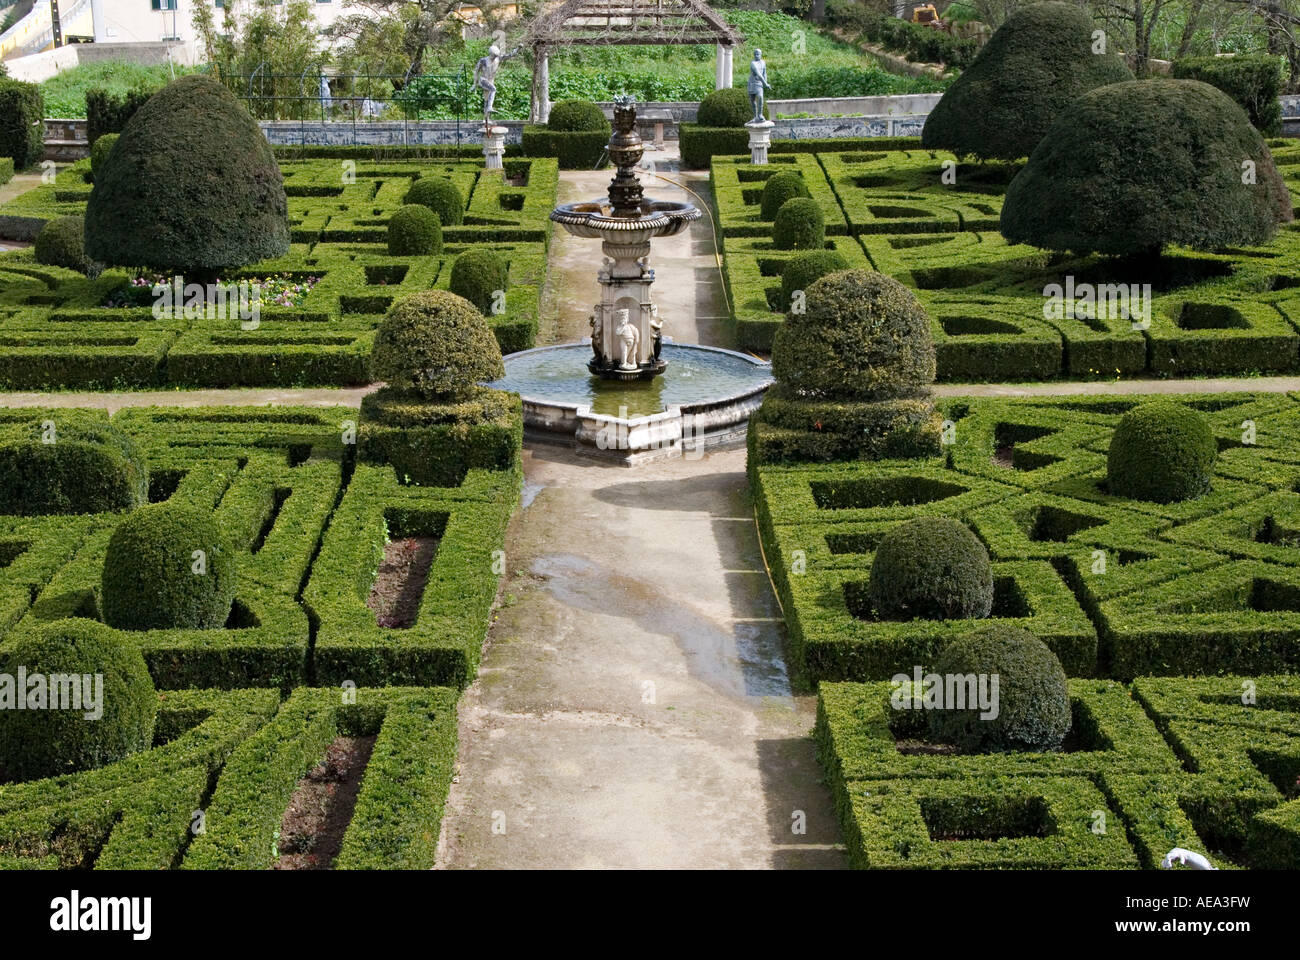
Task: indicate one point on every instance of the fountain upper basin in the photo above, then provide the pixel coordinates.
(596, 220)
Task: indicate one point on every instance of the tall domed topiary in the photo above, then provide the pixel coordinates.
(1040, 60)
(62, 243)
(577, 116)
(479, 276)
(436, 344)
(168, 566)
(190, 186)
(726, 108)
(441, 196)
(779, 188)
(1131, 167)
(100, 151)
(862, 336)
(931, 568)
(799, 225)
(36, 743)
(1033, 700)
(414, 231)
(1161, 452)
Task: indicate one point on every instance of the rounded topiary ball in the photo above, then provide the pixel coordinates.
(576, 116)
(90, 468)
(862, 336)
(802, 270)
(1162, 452)
(779, 188)
(726, 108)
(414, 231)
(441, 196)
(1033, 701)
(1038, 62)
(100, 151)
(477, 275)
(192, 186)
(931, 568)
(155, 576)
(36, 743)
(799, 225)
(62, 243)
(436, 343)
(1164, 157)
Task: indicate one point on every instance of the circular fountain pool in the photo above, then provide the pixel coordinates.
(704, 399)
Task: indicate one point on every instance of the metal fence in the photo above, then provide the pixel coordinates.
(356, 99)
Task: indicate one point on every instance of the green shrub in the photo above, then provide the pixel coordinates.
(154, 577)
(441, 196)
(191, 186)
(931, 568)
(1033, 704)
(1254, 82)
(1037, 63)
(100, 151)
(108, 113)
(799, 225)
(779, 188)
(36, 743)
(6, 170)
(801, 271)
(1163, 452)
(437, 344)
(1164, 158)
(863, 336)
(477, 275)
(917, 42)
(22, 115)
(414, 231)
(725, 108)
(62, 243)
(88, 469)
(577, 116)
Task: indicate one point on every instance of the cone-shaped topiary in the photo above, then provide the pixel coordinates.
(863, 336)
(799, 225)
(191, 186)
(931, 568)
(89, 468)
(62, 243)
(727, 108)
(57, 739)
(437, 344)
(1163, 452)
(441, 196)
(1133, 166)
(1039, 60)
(575, 116)
(779, 188)
(477, 275)
(802, 270)
(100, 151)
(168, 566)
(1032, 700)
(414, 231)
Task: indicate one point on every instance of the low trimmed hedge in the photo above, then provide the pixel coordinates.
(574, 149)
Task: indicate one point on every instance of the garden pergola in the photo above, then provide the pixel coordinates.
(625, 22)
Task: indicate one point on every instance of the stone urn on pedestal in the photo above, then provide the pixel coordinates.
(626, 326)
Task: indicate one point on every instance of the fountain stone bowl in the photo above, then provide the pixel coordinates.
(703, 401)
(595, 219)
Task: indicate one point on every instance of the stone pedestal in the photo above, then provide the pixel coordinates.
(760, 138)
(494, 147)
(625, 280)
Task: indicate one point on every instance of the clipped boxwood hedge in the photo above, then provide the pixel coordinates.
(22, 116)
(86, 467)
(1253, 80)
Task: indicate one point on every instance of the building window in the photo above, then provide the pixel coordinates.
(163, 4)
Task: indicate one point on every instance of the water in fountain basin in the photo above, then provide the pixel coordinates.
(694, 375)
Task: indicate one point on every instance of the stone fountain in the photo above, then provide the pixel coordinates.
(640, 396)
(626, 332)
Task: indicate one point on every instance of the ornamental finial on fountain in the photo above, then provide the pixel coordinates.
(625, 152)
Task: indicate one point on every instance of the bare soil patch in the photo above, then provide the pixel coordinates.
(311, 832)
(399, 584)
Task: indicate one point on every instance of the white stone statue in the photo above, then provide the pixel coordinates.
(757, 85)
(656, 330)
(629, 336)
(1187, 858)
(485, 78)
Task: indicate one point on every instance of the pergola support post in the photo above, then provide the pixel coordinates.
(541, 105)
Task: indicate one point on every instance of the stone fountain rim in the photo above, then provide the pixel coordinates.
(665, 212)
(673, 411)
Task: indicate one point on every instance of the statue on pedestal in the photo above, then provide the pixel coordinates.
(657, 330)
(758, 85)
(596, 334)
(629, 336)
(485, 77)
